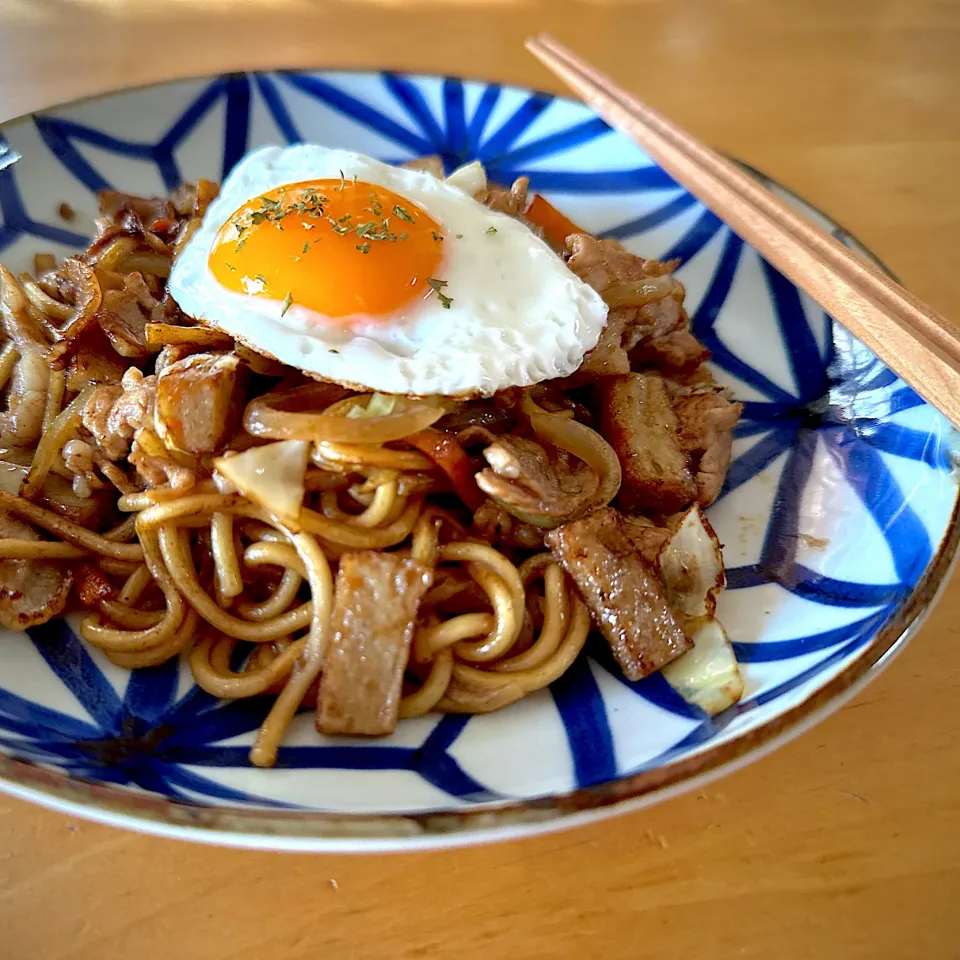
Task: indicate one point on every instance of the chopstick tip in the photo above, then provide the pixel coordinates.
(539, 44)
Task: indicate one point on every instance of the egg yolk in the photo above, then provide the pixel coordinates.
(336, 247)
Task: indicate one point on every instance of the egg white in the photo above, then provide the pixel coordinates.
(518, 316)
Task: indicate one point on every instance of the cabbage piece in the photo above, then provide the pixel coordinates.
(471, 178)
(379, 405)
(708, 676)
(691, 566)
(272, 476)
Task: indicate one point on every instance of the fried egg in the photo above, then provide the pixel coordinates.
(382, 277)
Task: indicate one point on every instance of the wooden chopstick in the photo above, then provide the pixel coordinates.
(918, 344)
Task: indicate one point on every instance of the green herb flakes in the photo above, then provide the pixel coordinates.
(437, 287)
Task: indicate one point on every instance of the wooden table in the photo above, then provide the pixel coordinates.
(846, 843)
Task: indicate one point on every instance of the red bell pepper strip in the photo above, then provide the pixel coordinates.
(450, 457)
(556, 227)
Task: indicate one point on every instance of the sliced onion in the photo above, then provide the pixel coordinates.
(343, 456)
(147, 261)
(52, 441)
(638, 293)
(538, 520)
(168, 334)
(109, 254)
(586, 445)
(270, 416)
(43, 302)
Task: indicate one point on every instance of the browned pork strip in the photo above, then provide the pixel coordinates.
(627, 601)
(57, 492)
(658, 320)
(124, 314)
(534, 482)
(606, 266)
(512, 201)
(375, 605)
(31, 591)
(706, 436)
(638, 421)
(603, 263)
(495, 525)
(678, 351)
(121, 419)
(115, 412)
(114, 205)
(607, 358)
(193, 199)
(89, 511)
(160, 468)
(199, 401)
(91, 359)
(647, 537)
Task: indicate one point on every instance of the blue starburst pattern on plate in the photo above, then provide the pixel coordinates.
(839, 494)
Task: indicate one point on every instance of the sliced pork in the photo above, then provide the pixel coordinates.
(638, 421)
(375, 606)
(628, 602)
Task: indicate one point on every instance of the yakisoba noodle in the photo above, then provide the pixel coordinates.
(466, 663)
(178, 563)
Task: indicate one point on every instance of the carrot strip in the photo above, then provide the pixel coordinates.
(556, 227)
(450, 457)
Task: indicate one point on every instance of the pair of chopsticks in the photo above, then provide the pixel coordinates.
(918, 344)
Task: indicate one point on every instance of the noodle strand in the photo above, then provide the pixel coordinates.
(309, 663)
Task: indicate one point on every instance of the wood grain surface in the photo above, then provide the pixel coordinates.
(843, 844)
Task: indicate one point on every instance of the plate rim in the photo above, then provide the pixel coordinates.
(318, 832)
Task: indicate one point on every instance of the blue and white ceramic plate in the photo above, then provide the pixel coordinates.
(838, 514)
